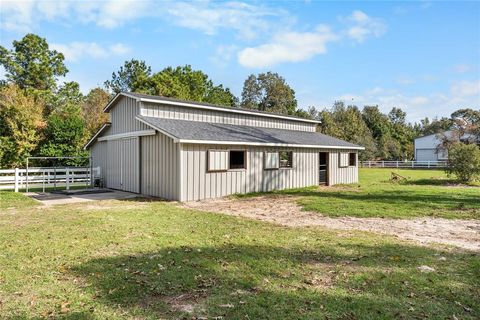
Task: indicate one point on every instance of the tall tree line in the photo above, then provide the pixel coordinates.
(42, 116)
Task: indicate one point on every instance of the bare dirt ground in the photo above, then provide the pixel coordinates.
(285, 211)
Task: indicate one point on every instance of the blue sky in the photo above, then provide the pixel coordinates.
(421, 56)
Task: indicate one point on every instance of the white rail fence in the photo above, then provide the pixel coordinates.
(405, 164)
(47, 177)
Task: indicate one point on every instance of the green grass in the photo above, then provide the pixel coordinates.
(10, 199)
(426, 193)
(127, 259)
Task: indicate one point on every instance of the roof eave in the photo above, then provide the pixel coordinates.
(268, 144)
(95, 136)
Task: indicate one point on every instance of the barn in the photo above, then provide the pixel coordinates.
(187, 151)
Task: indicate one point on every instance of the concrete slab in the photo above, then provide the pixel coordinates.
(50, 199)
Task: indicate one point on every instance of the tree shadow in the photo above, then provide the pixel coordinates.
(342, 281)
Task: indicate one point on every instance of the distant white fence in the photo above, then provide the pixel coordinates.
(404, 164)
(49, 177)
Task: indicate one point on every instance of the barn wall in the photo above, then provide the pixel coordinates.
(122, 169)
(199, 184)
(98, 152)
(341, 175)
(193, 114)
(122, 117)
(159, 166)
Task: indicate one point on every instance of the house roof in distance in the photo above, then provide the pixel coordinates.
(201, 105)
(184, 131)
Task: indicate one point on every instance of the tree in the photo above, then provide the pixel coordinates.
(464, 162)
(133, 76)
(467, 122)
(427, 127)
(347, 123)
(268, 92)
(181, 82)
(31, 64)
(20, 125)
(92, 110)
(376, 121)
(65, 133)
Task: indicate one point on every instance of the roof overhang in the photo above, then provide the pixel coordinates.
(114, 100)
(95, 136)
(267, 144)
(244, 143)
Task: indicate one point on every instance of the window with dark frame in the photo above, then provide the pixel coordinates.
(237, 159)
(286, 159)
(352, 159)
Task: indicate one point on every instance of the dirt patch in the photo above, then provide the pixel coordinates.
(284, 210)
(187, 303)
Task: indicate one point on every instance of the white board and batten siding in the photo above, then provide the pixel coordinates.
(181, 113)
(339, 172)
(198, 183)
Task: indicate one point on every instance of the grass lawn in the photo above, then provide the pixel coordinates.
(425, 193)
(152, 260)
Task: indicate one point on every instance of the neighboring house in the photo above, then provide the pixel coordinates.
(427, 148)
(188, 151)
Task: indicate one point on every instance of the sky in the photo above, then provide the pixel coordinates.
(423, 57)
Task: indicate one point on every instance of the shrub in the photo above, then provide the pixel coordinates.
(464, 162)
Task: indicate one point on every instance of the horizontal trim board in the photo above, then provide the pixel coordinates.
(267, 144)
(105, 125)
(128, 135)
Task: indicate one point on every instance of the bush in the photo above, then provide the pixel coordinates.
(464, 162)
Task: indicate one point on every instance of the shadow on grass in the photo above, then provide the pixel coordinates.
(339, 281)
(394, 197)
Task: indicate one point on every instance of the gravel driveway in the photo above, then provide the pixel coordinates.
(284, 210)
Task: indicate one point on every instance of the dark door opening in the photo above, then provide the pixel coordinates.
(323, 168)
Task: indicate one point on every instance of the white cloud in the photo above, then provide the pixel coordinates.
(462, 68)
(288, 47)
(466, 89)
(362, 26)
(437, 104)
(208, 17)
(75, 51)
(224, 54)
(292, 46)
(247, 19)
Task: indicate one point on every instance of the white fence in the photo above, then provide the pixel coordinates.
(405, 164)
(64, 177)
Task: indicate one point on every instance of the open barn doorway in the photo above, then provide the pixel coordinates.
(323, 168)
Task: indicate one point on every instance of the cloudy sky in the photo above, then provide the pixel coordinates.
(421, 56)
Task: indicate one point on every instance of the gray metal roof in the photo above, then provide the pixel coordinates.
(184, 130)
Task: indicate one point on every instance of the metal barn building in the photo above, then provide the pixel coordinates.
(187, 151)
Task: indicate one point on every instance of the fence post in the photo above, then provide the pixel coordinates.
(428, 164)
(413, 164)
(397, 164)
(16, 179)
(383, 164)
(67, 173)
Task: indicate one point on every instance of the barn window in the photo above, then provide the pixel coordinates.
(217, 160)
(286, 159)
(343, 159)
(271, 160)
(237, 159)
(352, 160)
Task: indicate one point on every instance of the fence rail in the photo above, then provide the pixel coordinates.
(404, 164)
(46, 177)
